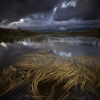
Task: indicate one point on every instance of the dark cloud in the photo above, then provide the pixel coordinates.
(84, 9)
(45, 14)
(13, 10)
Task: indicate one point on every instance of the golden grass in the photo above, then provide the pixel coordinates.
(51, 77)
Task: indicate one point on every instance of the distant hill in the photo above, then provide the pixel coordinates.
(67, 30)
(94, 30)
(5, 31)
(20, 32)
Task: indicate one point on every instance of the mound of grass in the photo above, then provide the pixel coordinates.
(50, 77)
(58, 35)
(39, 38)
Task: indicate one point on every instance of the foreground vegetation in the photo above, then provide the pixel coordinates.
(49, 77)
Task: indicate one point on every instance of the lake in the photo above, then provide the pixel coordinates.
(62, 46)
(12, 51)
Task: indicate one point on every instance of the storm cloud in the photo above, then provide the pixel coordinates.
(13, 10)
(84, 9)
(49, 14)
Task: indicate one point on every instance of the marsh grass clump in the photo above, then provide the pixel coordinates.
(51, 77)
(58, 35)
(40, 38)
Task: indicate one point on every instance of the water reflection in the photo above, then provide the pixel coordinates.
(67, 46)
(3, 44)
(9, 53)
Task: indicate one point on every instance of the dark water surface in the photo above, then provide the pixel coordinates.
(63, 46)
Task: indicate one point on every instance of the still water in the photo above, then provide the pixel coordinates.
(62, 46)
(10, 52)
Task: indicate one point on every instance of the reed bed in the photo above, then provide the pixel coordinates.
(39, 38)
(51, 77)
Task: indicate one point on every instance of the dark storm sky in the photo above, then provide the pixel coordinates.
(49, 14)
